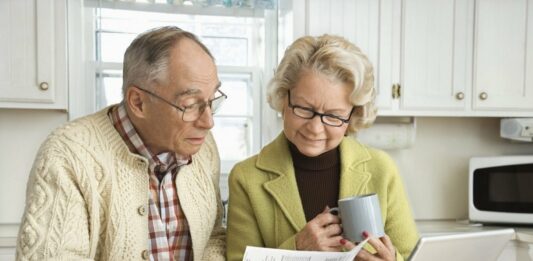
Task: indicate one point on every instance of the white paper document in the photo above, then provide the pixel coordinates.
(272, 254)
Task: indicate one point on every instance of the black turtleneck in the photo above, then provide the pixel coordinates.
(318, 180)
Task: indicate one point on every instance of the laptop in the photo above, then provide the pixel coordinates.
(465, 246)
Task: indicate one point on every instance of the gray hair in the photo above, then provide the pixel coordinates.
(146, 59)
(334, 57)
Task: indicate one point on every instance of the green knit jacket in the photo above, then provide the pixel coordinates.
(265, 209)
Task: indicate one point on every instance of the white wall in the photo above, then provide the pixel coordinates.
(435, 169)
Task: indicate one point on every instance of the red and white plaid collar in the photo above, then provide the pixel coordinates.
(163, 161)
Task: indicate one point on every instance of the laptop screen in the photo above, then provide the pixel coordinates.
(467, 246)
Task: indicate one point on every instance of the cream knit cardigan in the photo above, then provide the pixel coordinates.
(87, 194)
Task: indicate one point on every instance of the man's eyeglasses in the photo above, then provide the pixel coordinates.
(194, 111)
(308, 113)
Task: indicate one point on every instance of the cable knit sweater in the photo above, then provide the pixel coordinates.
(87, 198)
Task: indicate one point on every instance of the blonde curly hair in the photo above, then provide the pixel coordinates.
(334, 57)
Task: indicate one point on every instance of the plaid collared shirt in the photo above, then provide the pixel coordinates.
(169, 234)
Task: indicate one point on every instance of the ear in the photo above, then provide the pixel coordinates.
(135, 101)
(347, 132)
(285, 107)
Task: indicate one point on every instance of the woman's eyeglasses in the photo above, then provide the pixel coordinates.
(308, 113)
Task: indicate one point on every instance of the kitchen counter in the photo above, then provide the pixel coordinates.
(443, 227)
(425, 228)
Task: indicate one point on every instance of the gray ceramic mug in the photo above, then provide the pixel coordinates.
(358, 214)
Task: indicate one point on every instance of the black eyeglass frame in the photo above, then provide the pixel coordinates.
(184, 110)
(315, 113)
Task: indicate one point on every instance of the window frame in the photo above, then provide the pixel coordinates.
(83, 69)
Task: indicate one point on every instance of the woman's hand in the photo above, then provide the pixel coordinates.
(322, 233)
(383, 245)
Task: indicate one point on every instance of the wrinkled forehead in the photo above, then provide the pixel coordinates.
(193, 91)
(192, 72)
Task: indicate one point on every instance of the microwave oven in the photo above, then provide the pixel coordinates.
(501, 190)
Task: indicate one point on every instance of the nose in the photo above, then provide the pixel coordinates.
(206, 119)
(315, 124)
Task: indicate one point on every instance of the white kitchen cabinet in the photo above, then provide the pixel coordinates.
(435, 41)
(8, 241)
(503, 55)
(430, 58)
(356, 20)
(420, 46)
(7, 253)
(465, 58)
(436, 57)
(33, 61)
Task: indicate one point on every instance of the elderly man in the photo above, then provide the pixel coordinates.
(136, 180)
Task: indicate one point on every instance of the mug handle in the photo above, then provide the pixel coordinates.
(335, 209)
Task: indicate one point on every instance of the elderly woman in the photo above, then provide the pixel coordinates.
(280, 197)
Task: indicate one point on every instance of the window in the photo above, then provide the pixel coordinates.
(238, 38)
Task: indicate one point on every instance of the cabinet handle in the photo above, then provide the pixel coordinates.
(43, 86)
(460, 95)
(483, 96)
(396, 90)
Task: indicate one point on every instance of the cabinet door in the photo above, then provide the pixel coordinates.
(503, 55)
(435, 44)
(387, 74)
(357, 21)
(32, 51)
(7, 253)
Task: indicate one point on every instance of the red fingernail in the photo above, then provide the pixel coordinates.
(343, 241)
(365, 234)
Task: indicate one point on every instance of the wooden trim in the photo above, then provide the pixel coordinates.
(8, 235)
